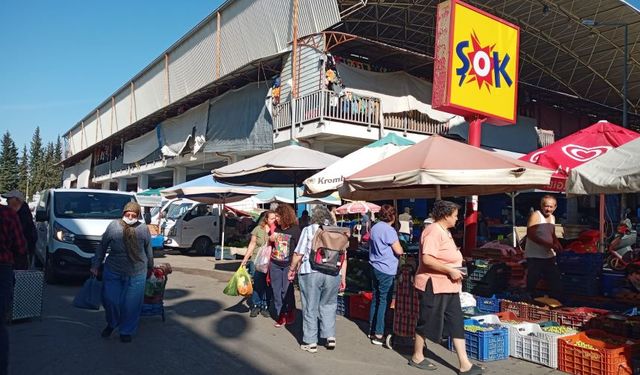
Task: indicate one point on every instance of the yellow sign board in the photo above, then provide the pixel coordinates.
(475, 63)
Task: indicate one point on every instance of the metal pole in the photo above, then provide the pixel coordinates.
(624, 81)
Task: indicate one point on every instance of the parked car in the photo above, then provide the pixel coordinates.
(70, 225)
(190, 225)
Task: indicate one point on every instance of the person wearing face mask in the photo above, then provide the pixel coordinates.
(125, 270)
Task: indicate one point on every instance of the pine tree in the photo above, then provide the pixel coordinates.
(23, 173)
(36, 167)
(57, 159)
(49, 175)
(8, 164)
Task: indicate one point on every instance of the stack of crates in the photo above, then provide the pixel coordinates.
(486, 278)
(580, 272)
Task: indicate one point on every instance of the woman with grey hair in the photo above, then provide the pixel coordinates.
(319, 291)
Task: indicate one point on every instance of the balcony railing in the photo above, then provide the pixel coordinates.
(325, 105)
(545, 137)
(365, 111)
(116, 165)
(414, 122)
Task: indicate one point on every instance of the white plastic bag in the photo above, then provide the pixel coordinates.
(467, 300)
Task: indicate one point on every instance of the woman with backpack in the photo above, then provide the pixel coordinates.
(284, 240)
(384, 250)
(319, 290)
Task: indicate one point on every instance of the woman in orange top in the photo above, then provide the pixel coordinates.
(439, 282)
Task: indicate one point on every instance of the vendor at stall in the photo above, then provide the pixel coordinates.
(541, 247)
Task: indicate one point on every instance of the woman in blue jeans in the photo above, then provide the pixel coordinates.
(318, 291)
(384, 250)
(125, 271)
(284, 240)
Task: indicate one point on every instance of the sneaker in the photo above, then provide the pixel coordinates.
(331, 343)
(377, 340)
(106, 332)
(265, 312)
(311, 348)
(282, 320)
(254, 312)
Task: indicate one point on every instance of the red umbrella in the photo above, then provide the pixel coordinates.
(578, 148)
(357, 207)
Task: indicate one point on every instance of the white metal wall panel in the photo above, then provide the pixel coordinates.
(310, 69)
(90, 131)
(75, 141)
(123, 107)
(104, 124)
(192, 64)
(317, 15)
(150, 90)
(285, 79)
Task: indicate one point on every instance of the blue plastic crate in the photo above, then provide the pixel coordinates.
(580, 264)
(343, 305)
(611, 281)
(488, 305)
(583, 285)
(486, 345)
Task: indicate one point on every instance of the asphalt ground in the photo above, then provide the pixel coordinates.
(205, 332)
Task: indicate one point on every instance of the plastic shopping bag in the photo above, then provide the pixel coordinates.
(90, 296)
(263, 258)
(240, 283)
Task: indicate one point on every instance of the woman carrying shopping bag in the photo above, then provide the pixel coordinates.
(259, 240)
(125, 271)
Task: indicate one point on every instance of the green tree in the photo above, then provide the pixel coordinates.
(49, 175)
(23, 173)
(8, 164)
(36, 166)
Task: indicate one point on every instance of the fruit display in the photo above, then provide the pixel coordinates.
(560, 330)
(584, 345)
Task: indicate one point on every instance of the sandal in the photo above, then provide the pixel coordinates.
(424, 365)
(474, 370)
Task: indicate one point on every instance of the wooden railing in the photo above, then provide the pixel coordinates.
(326, 105)
(545, 137)
(414, 122)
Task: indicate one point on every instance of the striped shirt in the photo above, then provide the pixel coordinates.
(12, 242)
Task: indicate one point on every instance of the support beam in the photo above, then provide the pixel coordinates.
(105, 185)
(143, 182)
(122, 184)
(179, 175)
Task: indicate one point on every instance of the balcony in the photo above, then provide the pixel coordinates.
(117, 165)
(545, 137)
(364, 111)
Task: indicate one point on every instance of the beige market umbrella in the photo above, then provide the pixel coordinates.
(440, 167)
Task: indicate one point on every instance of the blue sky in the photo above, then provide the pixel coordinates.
(60, 59)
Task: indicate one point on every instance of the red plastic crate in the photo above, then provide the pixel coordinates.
(575, 317)
(520, 309)
(608, 355)
(539, 314)
(360, 306)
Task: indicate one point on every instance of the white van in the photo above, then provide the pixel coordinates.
(190, 225)
(70, 224)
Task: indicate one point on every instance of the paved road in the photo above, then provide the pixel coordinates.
(205, 332)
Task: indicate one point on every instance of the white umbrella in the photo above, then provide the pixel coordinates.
(617, 171)
(330, 178)
(285, 195)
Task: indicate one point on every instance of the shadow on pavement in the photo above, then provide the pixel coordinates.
(171, 293)
(240, 307)
(196, 308)
(67, 340)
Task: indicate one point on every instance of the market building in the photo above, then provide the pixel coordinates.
(336, 75)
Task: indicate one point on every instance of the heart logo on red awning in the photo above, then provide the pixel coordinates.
(583, 154)
(536, 156)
